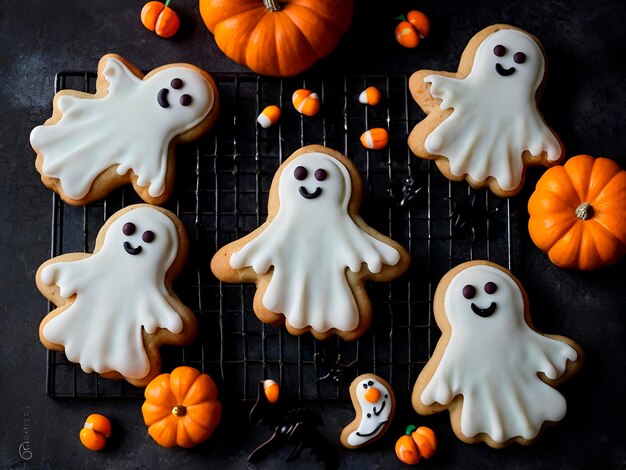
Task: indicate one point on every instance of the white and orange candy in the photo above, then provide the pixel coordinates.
(96, 430)
(272, 390)
(269, 116)
(375, 139)
(306, 102)
(371, 95)
(406, 35)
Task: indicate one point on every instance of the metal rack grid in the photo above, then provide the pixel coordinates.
(221, 193)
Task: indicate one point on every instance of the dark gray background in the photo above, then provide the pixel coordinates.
(584, 102)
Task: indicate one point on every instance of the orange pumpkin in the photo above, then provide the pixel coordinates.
(415, 444)
(96, 430)
(181, 408)
(160, 18)
(274, 38)
(578, 213)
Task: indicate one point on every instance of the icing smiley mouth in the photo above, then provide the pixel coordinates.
(484, 312)
(162, 98)
(307, 195)
(504, 71)
(130, 250)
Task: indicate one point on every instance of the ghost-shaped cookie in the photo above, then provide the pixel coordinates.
(116, 307)
(491, 368)
(374, 403)
(312, 256)
(483, 124)
(125, 133)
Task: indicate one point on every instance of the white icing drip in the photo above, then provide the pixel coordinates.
(371, 426)
(493, 362)
(494, 118)
(117, 294)
(310, 243)
(127, 128)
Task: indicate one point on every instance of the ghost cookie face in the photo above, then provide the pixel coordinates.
(482, 122)
(491, 368)
(374, 403)
(312, 256)
(116, 307)
(125, 133)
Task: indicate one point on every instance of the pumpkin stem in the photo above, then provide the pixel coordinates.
(584, 211)
(167, 3)
(273, 5)
(179, 410)
(410, 428)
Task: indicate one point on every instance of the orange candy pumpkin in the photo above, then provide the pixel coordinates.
(578, 213)
(415, 444)
(96, 430)
(160, 18)
(181, 408)
(275, 38)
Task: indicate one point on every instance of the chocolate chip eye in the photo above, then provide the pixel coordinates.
(148, 236)
(300, 173)
(128, 228)
(370, 383)
(320, 175)
(185, 100)
(364, 385)
(177, 84)
(369, 415)
(519, 57)
(469, 291)
(499, 50)
(491, 288)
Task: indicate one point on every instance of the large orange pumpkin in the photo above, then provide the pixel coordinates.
(277, 38)
(578, 213)
(181, 408)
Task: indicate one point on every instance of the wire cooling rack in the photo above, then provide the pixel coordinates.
(221, 193)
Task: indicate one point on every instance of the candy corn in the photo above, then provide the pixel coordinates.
(420, 21)
(269, 116)
(306, 102)
(375, 139)
(406, 35)
(371, 95)
(272, 390)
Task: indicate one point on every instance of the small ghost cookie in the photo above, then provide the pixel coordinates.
(116, 307)
(125, 133)
(482, 122)
(374, 403)
(491, 368)
(312, 256)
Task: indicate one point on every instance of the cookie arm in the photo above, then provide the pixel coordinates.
(420, 85)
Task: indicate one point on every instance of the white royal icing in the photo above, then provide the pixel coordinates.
(117, 294)
(126, 128)
(493, 361)
(374, 416)
(495, 118)
(310, 243)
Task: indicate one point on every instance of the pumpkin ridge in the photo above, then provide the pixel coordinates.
(605, 188)
(224, 15)
(297, 28)
(325, 18)
(600, 227)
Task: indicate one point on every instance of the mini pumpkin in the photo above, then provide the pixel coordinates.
(578, 213)
(181, 408)
(276, 38)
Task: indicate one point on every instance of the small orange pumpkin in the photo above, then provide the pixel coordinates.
(276, 38)
(415, 444)
(160, 18)
(181, 408)
(578, 213)
(96, 430)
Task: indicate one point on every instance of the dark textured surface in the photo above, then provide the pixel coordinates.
(584, 102)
